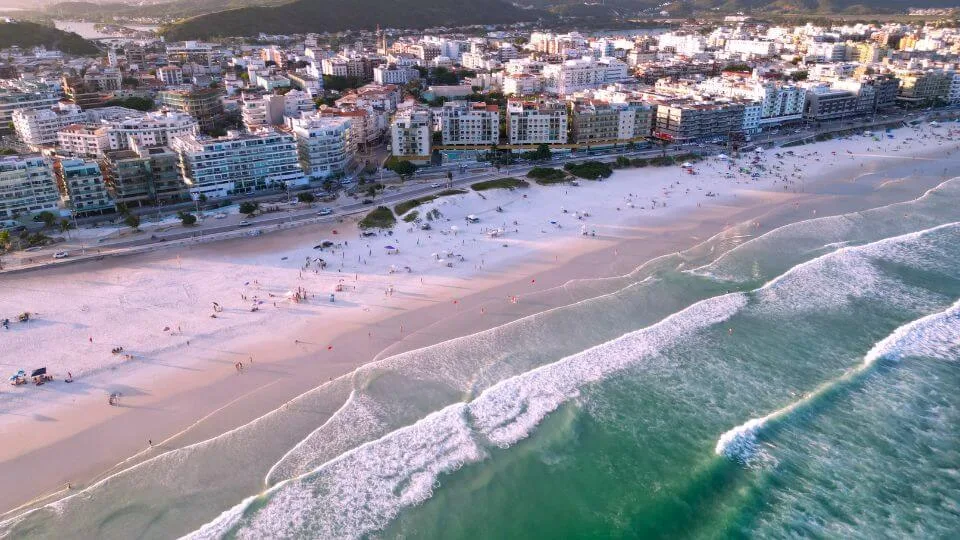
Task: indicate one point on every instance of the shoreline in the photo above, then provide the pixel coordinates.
(222, 404)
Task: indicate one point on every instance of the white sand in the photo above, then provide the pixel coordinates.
(153, 305)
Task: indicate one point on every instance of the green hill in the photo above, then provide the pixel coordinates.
(28, 34)
(301, 16)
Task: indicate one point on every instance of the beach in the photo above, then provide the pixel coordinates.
(183, 382)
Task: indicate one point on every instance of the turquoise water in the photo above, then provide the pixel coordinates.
(799, 383)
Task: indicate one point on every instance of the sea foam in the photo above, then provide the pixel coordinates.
(932, 336)
(364, 489)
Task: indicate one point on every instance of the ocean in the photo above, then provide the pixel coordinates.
(797, 383)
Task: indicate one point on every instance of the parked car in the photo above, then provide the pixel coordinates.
(61, 255)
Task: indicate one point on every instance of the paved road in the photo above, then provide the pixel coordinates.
(422, 184)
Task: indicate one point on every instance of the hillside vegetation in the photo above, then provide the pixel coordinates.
(301, 16)
(28, 34)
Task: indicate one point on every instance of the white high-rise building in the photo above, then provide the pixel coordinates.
(582, 74)
(152, 129)
(465, 123)
(84, 140)
(170, 75)
(324, 143)
(751, 47)
(393, 74)
(410, 134)
(38, 128)
(238, 163)
(537, 122)
(27, 186)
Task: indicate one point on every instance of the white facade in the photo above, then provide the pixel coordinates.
(750, 47)
(537, 122)
(238, 164)
(27, 186)
(82, 140)
(752, 112)
(581, 74)
(393, 74)
(410, 133)
(325, 144)
(953, 95)
(170, 75)
(469, 123)
(153, 129)
(521, 84)
(39, 128)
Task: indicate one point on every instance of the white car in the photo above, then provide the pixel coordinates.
(325, 212)
(434, 185)
(61, 255)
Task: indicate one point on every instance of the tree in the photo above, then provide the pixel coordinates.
(4, 239)
(48, 218)
(450, 178)
(65, 225)
(132, 221)
(542, 153)
(186, 218)
(306, 197)
(404, 169)
(249, 208)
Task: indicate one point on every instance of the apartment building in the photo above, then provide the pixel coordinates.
(581, 74)
(16, 95)
(151, 129)
(83, 186)
(238, 163)
(410, 134)
(27, 186)
(465, 123)
(170, 75)
(595, 121)
(204, 104)
(324, 144)
(393, 74)
(103, 79)
(542, 121)
(825, 103)
(924, 87)
(38, 127)
(84, 140)
(751, 47)
(692, 120)
(259, 111)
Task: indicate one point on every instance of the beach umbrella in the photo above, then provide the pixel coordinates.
(389, 247)
(39, 371)
(686, 164)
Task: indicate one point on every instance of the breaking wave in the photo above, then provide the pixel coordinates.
(932, 336)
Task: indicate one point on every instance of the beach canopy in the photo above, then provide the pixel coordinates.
(721, 156)
(454, 228)
(759, 149)
(471, 217)
(687, 164)
(39, 371)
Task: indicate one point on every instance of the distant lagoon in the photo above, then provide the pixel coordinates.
(88, 29)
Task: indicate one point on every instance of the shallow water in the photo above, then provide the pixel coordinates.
(794, 383)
